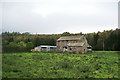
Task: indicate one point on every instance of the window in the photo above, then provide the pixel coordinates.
(65, 47)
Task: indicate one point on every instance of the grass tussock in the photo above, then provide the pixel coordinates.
(97, 64)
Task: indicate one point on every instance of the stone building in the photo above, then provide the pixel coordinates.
(72, 44)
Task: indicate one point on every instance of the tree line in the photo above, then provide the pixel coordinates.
(23, 42)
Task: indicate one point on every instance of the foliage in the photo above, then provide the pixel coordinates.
(66, 34)
(106, 40)
(98, 64)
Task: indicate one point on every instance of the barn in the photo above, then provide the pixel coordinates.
(72, 44)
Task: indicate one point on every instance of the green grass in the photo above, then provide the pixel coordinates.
(98, 64)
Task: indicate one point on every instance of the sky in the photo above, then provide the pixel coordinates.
(58, 16)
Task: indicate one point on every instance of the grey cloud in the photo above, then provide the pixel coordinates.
(19, 17)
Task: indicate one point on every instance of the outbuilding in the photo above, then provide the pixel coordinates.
(45, 48)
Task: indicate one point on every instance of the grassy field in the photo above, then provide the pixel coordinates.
(98, 64)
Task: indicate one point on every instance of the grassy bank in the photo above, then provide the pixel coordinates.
(98, 64)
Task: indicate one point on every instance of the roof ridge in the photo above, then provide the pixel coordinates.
(70, 37)
(73, 36)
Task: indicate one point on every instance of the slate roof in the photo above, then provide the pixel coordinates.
(76, 44)
(70, 38)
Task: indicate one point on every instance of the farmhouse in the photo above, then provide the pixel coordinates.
(44, 48)
(72, 44)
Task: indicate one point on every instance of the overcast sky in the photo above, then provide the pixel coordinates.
(58, 16)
